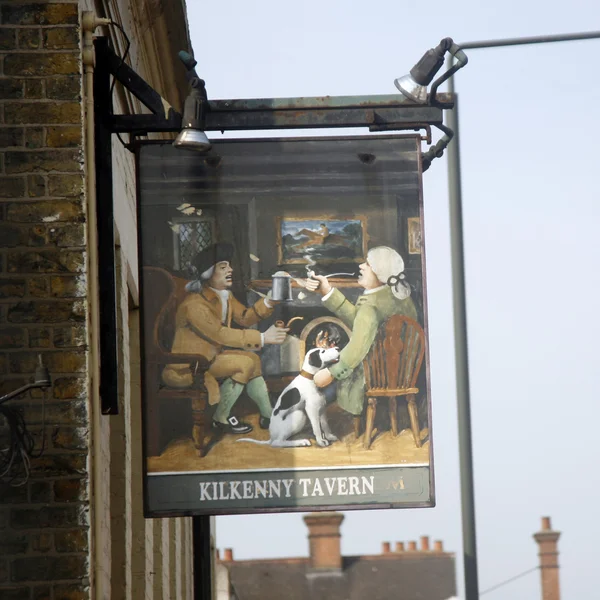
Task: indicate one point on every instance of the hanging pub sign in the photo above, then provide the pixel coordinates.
(284, 348)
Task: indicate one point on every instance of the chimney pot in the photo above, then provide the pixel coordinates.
(425, 543)
(412, 546)
(438, 546)
(228, 555)
(399, 546)
(547, 540)
(385, 548)
(324, 539)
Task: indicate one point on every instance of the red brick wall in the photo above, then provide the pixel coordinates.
(547, 540)
(44, 525)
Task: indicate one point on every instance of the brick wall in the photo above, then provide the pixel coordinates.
(76, 529)
(44, 541)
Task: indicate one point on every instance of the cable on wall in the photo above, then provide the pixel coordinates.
(17, 443)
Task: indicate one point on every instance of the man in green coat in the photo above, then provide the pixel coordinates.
(386, 294)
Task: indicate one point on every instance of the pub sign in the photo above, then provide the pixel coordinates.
(284, 348)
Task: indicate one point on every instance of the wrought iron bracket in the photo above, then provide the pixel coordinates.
(377, 113)
(163, 118)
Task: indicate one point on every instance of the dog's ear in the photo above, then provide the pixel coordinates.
(314, 358)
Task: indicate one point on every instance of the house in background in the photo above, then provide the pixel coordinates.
(407, 572)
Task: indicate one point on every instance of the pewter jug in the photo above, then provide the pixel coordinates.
(282, 287)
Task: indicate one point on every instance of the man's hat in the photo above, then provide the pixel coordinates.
(213, 254)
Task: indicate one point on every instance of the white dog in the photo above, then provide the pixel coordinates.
(300, 400)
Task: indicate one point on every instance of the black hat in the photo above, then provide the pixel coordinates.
(213, 254)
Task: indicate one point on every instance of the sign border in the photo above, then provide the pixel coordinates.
(155, 513)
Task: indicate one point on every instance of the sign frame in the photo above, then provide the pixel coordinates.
(165, 509)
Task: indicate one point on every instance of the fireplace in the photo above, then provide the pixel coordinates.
(310, 324)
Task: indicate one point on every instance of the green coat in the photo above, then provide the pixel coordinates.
(364, 318)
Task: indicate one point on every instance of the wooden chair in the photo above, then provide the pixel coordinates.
(162, 294)
(391, 370)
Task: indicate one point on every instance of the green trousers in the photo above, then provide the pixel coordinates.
(230, 391)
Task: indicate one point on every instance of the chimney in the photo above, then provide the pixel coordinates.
(399, 546)
(412, 546)
(228, 555)
(548, 543)
(385, 548)
(438, 546)
(425, 543)
(324, 539)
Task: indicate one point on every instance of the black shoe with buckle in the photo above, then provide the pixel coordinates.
(232, 426)
(264, 422)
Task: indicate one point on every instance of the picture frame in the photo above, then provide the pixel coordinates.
(325, 239)
(414, 235)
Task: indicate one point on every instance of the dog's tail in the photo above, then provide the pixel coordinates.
(262, 442)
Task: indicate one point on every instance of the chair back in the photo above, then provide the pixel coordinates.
(160, 305)
(395, 358)
(166, 418)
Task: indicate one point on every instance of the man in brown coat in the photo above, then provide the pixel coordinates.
(203, 326)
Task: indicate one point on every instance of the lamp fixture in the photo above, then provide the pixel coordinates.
(192, 136)
(414, 85)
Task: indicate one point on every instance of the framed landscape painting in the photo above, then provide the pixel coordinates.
(323, 239)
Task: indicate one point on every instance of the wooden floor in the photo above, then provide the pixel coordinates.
(229, 454)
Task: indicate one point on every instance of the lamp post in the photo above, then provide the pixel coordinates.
(460, 312)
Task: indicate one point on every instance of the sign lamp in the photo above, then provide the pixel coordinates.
(192, 136)
(414, 85)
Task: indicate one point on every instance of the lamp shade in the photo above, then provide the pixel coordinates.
(192, 136)
(411, 89)
(193, 139)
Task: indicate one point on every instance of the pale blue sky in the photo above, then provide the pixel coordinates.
(529, 129)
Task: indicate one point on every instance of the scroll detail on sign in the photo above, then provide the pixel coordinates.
(284, 350)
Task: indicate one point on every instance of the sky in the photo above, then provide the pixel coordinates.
(529, 125)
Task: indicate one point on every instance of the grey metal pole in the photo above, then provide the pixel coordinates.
(538, 39)
(461, 353)
(461, 350)
(202, 557)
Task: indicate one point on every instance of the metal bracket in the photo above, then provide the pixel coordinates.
(404, 126)
(163, 118)
(377, 113)
(107, 287)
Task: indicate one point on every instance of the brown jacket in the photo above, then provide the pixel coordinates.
(199, 330)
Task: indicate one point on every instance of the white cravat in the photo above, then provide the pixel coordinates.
(374, 290)
(224, 295)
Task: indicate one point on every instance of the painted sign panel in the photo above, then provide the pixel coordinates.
(284, 349)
